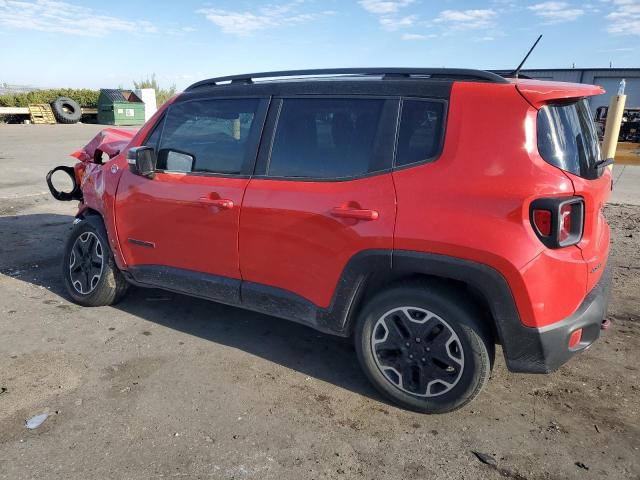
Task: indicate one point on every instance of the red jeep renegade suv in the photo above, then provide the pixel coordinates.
(429, 213)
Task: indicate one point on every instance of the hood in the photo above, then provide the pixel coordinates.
(111, 141)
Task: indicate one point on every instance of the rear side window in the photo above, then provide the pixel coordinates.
(421, 128)
(326, 138)
(207, 136)
(567, 138)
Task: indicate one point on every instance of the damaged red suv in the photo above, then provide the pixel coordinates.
(430, 214)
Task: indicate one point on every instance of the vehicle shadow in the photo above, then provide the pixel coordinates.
(31, 248)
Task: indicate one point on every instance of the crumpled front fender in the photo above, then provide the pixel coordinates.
(111, 141)
(87, 173)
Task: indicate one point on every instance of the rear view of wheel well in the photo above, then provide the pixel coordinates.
(376, 283)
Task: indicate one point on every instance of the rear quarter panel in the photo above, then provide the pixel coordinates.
(473, 202)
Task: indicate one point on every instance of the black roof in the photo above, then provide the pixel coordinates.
(358, 86)
(342, 73)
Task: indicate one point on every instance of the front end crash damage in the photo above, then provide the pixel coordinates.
(86, 175)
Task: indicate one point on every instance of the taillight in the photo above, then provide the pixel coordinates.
(542, 221)
(565, 222)
(558, 221)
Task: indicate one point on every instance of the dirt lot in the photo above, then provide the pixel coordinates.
(166, 386)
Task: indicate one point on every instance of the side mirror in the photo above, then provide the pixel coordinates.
(142, 161)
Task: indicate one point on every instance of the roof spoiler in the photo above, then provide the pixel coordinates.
(540, 92)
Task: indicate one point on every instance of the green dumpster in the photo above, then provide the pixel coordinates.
(120, 107)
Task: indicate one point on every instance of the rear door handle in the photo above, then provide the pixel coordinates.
(357, 213)
(217, 202)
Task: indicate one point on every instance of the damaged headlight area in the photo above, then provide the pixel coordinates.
(107, 143)
(72, 192)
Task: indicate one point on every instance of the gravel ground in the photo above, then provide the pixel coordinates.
(164, 386)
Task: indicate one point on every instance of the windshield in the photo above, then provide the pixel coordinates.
(567, 138)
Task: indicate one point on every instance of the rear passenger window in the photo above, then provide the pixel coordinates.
(420, 135)
(207, 136)
(325, 138)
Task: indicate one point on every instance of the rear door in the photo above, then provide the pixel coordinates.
(322, 193)
(181, 226)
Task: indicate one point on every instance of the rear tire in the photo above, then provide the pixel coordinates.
(89, 272)
(424, 347)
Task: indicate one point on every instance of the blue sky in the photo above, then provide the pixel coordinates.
(110, 43)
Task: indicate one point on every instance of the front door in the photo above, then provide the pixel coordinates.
(179, 229)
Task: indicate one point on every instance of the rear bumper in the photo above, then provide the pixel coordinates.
(543, 350)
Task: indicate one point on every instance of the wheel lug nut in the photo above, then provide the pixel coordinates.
(407, 344)
(428, 349)
(411, 357)
(417, 340)
(423, 359)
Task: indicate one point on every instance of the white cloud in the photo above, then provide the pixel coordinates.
(63, 17)
(388, 12)
(396, 23)
(467, 19)
(384, 7)
(272, 16)
(625, 18)
(417, 36)
(556, 12)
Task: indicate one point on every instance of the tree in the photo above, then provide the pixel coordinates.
(162, 95)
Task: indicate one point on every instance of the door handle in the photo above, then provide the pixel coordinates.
(357, 213)
(217, 202)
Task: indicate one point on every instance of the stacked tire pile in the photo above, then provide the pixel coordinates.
(66, 110)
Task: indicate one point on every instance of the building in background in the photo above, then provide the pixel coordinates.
(6, 88)
(608, 78)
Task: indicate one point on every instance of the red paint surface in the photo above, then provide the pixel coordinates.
(111, 141)
(540, 92)
(100, 182)
(595, 238)
(472, 203)
(291, 238)
(187, 232)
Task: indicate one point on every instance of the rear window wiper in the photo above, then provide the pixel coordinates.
(604, 163)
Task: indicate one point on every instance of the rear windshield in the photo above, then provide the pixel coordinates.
(567, 138)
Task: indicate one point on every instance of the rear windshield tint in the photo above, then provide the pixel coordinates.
(567, 138)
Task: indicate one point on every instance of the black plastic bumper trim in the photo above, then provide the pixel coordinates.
(554, 339)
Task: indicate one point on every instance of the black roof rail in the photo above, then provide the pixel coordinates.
(445, 73)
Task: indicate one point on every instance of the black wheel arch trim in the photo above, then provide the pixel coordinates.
(516, 339)
(95, 219)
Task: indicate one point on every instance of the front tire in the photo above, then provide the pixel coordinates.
(424, 348)
(89, 272)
